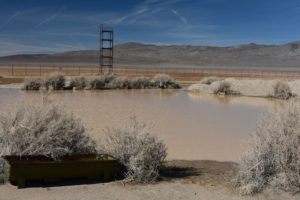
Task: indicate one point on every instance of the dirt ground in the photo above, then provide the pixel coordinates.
(207, 180)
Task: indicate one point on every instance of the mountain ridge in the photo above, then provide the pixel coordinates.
(177, 56)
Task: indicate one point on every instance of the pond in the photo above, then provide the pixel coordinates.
(194, 126)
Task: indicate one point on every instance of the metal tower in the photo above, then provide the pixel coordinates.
(106, 58)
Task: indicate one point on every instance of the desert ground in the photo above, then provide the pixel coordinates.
(207, 180)
(181, 179)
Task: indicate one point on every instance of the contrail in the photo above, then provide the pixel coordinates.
(52, 17)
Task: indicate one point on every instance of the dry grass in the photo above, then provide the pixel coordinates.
(273, 156)
(138, 150)
(43, 129)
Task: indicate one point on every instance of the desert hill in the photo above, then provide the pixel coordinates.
(251, 55)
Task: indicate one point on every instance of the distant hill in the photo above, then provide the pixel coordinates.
(178, 56)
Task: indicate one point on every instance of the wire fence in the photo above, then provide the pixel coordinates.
(178, 73)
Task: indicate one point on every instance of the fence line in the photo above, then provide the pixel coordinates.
(178, 73)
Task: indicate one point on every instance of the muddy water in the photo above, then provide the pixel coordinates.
(194, 126)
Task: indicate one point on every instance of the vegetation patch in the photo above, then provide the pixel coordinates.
(224, 87)
(32, 84)
(273, 154)
(54, 81)
(165, 81)
(282, 91)
(79, 82)
(57, 81)
(43, 129)
(209, 80)
(138, 151)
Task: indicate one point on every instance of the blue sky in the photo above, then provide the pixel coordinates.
(49, 26)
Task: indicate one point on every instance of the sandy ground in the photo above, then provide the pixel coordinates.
(251, 88)
(207, 180)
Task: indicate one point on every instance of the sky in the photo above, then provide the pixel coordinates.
(51, 26)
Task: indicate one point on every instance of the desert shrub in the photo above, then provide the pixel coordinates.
(140, 82)
(32, 84)
(273, 156)
(165, 81)
(209, 80)
(138, 150)
(96, 84)
(55, 81)
(107, 77)
(79, 82)
(104, 81)
(282, 91)
(43, 129)
(223, 87)
(121, 82)
(3, 172)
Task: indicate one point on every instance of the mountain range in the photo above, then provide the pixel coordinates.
(250, 56)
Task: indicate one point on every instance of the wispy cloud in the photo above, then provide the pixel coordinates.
(12, 17)
(52, 17)
(182, 19)
(129, 16)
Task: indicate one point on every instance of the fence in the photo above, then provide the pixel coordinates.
(178, 73)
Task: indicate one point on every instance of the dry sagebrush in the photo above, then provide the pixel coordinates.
(43, 129)
(165, 81)
(209, 80)
(57, 81)
(79, 83)
(282, 90)
(32, 84)
(225, 87)
(273, 156)
(138, 150)
(54, 81)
